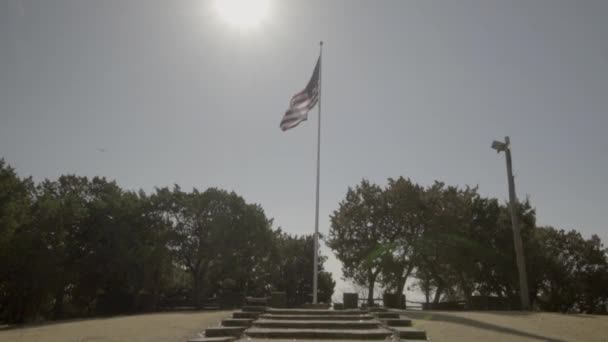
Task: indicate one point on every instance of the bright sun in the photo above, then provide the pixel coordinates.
(244, 14)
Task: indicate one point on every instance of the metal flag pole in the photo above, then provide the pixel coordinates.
(316, 249)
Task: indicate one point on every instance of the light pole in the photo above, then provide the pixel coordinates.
(519, 248)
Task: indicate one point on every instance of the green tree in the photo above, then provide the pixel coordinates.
(403, 226)
(467, 244)
(19, 292)
(357, 235)
(217, 238)
(15, 201)
(123, 241)
(446, 252)
(57, 215)
(294, 271)
(573, 272)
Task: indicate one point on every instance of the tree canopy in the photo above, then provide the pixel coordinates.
(458, 244)
(79, 246)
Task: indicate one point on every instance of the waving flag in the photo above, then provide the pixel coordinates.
(302, 102)
(299, 106)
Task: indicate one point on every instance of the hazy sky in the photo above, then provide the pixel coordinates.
(173, 94)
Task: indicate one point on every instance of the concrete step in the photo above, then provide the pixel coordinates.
(367, 334)
(397, 322)
(237, 322)
(249, 339)
(249, 314)
(387, 314)
(377, 309)
(320, 306)
(284, 324)
(224, 331)
(409, 333)
(315, 312)
(254, 308)
(318, 317)
(213, 339)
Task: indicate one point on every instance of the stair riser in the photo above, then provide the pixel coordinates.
(397, 322)
(250, 315)
(320, 335)
(317, 318)
(413, 335)
(213, 339)
(316, 312)
(400, 324)
(221, 332)
(236, 324)
(254, 308)
(316, 325)
(387, 315)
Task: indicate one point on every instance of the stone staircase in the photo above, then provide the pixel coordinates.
(317, 324)
(401, 327)
(259, 323)
(233, 328)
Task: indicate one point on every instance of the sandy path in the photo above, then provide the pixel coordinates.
(444, 326)
(157, 327)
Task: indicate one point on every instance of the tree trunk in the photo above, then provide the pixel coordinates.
(196, 296)
(58, 306)
(371, 282)
(399, 291)
(427, 289)
(438, 293)
(466, 289)
(370, 293)
(401, 285)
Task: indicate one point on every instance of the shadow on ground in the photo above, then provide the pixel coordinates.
(438, 316)
(527, 313)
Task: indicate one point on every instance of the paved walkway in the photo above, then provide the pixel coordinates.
(155, 327)
(510, 326)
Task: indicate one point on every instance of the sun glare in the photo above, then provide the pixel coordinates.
(244, 14)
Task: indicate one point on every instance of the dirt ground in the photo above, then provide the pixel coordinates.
(442, 326)
(157, 327)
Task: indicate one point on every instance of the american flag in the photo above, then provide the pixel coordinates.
(302, 102)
